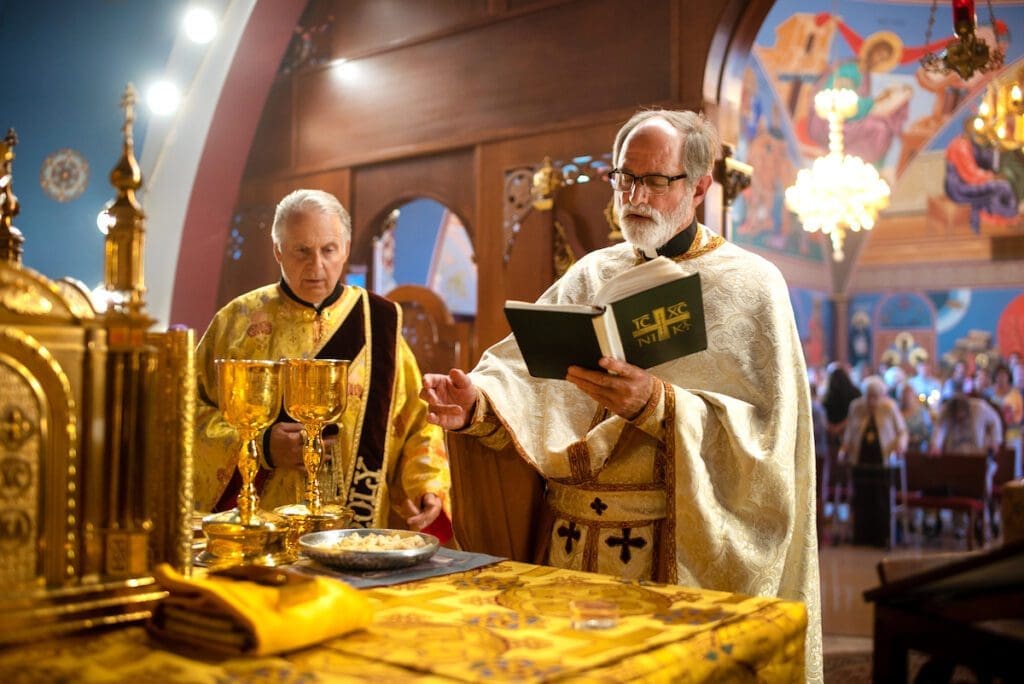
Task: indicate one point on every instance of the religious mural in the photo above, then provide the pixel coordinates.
(981, 326)
(909, 123)
(814, 314)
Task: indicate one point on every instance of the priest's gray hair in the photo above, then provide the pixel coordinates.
(315, 201)
(701, 143)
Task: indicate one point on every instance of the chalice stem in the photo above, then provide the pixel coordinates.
(247, 499)
(312, 457)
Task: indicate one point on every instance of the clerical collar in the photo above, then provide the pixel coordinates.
(331, 298)
(677, 246)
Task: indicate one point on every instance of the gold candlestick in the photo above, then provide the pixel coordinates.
(314, 393)
(249, 397)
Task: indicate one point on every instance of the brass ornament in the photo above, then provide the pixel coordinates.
(11, 239)
(15, 428)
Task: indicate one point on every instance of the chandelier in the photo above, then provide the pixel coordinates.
(839, 192)
(967, 53)
(1000, 119)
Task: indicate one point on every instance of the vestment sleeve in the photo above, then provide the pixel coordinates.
(217, 443)
(423, 465)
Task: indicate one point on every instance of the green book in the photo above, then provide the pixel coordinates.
(647, 315)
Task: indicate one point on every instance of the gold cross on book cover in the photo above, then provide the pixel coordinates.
(646, 315)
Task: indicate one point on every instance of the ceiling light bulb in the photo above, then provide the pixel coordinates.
(200, 25)
(163, 98)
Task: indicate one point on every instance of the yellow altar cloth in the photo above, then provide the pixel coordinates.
(504, 622)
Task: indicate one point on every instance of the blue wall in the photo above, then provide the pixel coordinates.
(66, 63)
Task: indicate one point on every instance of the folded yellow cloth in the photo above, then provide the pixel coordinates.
(256, 611)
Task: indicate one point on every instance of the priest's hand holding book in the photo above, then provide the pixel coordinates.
(622, 388)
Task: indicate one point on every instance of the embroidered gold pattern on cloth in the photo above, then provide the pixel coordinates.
(506, 622)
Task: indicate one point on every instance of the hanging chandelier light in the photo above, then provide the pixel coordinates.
(999, 122)
(967, 53)
(839, 192)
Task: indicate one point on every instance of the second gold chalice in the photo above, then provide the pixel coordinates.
(249, 397)
(314, 393)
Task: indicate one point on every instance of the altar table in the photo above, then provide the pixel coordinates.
(504, 622)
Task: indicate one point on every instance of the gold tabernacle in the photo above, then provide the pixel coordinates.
(95, 483)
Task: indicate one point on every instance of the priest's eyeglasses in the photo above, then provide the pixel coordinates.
(656, 183)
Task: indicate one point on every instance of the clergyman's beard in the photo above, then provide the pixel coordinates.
(647, 235)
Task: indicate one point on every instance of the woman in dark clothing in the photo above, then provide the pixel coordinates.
(839, 392)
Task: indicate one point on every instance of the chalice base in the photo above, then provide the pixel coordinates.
(269, 540)
(331, 517)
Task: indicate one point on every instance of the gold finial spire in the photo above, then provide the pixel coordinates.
(124, 243)
(11, 238)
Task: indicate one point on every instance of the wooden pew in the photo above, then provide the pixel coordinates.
(958, 482)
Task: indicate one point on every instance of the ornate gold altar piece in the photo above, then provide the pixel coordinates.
(315, 392)
(249, 396)
(96, 431)
(999, 122)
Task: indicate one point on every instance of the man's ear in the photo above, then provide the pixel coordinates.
(701, 189)
(277, 253)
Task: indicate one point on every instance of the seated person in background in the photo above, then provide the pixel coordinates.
(957, 382)
(966, 425)
(1007, 398)
(390, 459)
(875, 427)
(981, 384)
(924, 383)
(699, 471)
(917, 418)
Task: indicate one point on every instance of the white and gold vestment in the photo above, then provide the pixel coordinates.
(713, 485)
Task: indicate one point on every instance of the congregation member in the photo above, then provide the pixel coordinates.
(875, 432)
(958, 382)
(875, 428)
(917, 418)
(389, 462)
(967, 425)
(839, 393)
(698, 471)
(1009, 401)
(923, 382)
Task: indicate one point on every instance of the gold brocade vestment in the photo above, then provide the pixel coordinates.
(268, 324)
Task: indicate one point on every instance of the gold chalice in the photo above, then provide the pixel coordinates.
(314, 394)
(249, 397)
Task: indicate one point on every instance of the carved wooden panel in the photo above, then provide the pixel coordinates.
(379, 188)
(271, 150)
(362, 25)
(517, 74)
(437, 340)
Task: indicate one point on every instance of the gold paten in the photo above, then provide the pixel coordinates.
(314, 393)
(95, 434)
(249, 396)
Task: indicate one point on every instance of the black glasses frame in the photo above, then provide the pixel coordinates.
(642, 180)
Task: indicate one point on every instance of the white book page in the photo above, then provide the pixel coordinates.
(608, 335)
(637, 279)
(565, 308)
